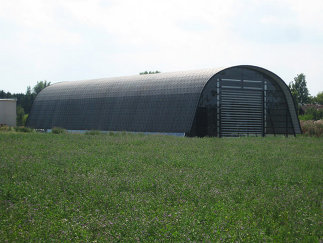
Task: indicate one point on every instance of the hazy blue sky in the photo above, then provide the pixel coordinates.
(61, 40)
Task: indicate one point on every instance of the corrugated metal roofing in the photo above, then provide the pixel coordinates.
(163, 102)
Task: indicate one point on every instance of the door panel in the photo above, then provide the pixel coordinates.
(241, 108)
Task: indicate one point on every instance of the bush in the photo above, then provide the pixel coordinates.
(58, 130)
(306, 117)
(20, 116)
(24, 129)
(24, 119)
(93, 132)
(312, 128)
(312, 113)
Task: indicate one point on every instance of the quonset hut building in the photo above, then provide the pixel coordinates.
(236, 101)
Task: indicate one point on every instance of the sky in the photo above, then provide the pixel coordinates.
(66, 40)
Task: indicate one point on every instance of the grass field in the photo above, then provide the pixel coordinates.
(149, 188)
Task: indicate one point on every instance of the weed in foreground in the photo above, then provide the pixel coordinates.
(93, 132)
(312, 128)
(58, 130)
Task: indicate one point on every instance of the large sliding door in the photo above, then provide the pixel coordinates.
(241, 107)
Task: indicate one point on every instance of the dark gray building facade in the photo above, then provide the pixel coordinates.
(236, 101)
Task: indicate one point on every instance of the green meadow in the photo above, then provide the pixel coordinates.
(134, 187)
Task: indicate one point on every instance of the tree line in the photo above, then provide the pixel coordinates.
(24, 100)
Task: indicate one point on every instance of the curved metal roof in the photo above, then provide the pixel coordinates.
(163, 102)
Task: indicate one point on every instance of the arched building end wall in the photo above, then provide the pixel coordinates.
(293, 128)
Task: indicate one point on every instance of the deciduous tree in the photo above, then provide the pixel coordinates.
(40, 86)
(299, 89)
(319, 98)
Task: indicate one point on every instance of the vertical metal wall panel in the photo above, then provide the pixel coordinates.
(8, 112)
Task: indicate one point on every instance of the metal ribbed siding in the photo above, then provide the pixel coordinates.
(165, 102)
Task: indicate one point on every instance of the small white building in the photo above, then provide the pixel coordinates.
(8, 112)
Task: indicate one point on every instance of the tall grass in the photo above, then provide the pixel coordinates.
(5, 128)
(312, 128)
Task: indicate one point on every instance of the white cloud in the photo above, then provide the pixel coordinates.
(69, 39)
(38, 22)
